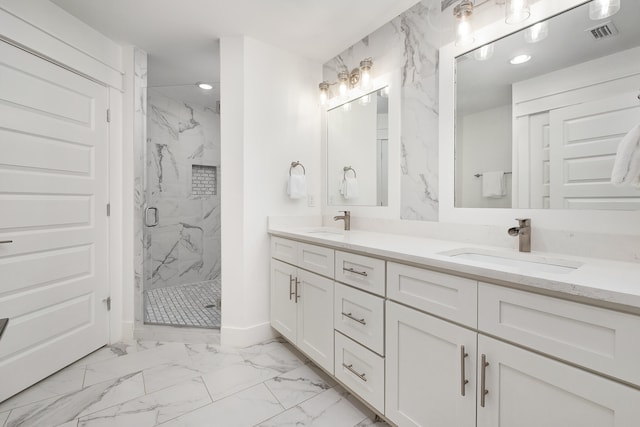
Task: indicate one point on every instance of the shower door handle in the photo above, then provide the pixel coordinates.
(155, 217)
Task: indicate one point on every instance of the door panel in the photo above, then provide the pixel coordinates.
(53, 196)
(584, 140)
(283, 302)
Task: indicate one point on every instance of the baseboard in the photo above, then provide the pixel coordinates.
(244, 337)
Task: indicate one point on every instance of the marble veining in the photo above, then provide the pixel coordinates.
(405, 43)
(208, 385)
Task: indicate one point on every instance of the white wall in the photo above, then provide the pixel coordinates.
(269, 117)
(483, 143)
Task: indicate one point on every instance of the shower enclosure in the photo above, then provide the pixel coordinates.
(181, 217)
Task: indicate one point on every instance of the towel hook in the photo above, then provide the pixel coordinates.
(296, 164)
(347, 169)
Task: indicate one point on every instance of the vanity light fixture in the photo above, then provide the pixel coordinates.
(324, 92)
(464, 30)
(520, 59)
(204, 86)
(517, 11)
(600, 9)
(483, 53)
(348, 80)
(537, 32)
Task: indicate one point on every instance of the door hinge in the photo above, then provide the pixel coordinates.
(108, 301)
(108, 209)
(108, 115)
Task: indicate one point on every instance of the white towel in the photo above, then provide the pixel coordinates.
(297, 187)
(493, 184)
(350, 188)
(626, 168)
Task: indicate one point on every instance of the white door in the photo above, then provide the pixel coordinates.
(53, 195)
(584, 140)
(427, 370)
(283, 301)
(529, 390)
(315, 318)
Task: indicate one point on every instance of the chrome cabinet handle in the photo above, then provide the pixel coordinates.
(297, 295)
(354, 372)
(483, 379)
(463, 380)
(155, 216)
(351, 270)
(291, 293)
(350, 316)
(5, 241)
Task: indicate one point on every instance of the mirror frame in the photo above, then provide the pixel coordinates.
(618, 222)
(392, 210)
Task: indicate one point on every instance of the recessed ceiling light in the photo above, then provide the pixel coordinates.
(520, 59)
(205, 86)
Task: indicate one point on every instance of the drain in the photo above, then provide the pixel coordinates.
(210, 306)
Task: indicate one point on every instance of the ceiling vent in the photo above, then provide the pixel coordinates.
(603, 31)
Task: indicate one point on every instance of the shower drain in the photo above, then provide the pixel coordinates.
(217, 305)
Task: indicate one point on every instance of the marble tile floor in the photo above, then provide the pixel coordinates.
(142, 384)
(190, 305)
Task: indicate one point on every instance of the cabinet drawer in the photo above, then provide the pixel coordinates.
(284, 250)
(316, 259)
(596, 338)
(360, 316)
(444, 295)
(361, 271)
(361, 370)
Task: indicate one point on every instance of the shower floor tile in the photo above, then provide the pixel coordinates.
(192, 305)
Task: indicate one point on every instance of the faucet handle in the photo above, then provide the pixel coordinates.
(346, 212)
(524, 222)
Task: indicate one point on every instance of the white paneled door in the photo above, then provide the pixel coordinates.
(53, 222)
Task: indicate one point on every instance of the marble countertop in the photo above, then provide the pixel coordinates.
(602, 282)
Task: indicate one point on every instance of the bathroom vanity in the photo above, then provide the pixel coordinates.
(429, 333)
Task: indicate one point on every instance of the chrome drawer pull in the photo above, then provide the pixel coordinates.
(297, 294)
(483, 379)
(350, 316)
(351, 270)
(291, 293)
(354, 372)
(6, 241)
(463, 380)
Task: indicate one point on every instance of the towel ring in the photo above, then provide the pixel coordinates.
(296, 164)
(347, 169)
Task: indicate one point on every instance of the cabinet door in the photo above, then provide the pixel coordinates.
(283, 301)
(426, 371)
(315, 318)
(529, 390)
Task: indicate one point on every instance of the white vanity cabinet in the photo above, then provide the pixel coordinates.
(431, 370)
(525, 389)
(302, 301)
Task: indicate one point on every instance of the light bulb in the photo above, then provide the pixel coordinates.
(343, 78)
(600, 9)
(484, 53)
(343, 88)
(537, 32)
(365, 73)
(517, 11)
(205, 86)
(324, 92)
(464, 30)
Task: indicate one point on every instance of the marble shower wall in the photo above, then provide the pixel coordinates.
(185, 245)
(409, 43)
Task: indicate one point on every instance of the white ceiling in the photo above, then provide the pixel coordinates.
(181, 35)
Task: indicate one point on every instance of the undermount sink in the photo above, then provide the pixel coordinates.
(520, 261)
(325, 232)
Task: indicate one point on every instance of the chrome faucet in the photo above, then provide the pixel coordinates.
(347, 219)
(523, 231)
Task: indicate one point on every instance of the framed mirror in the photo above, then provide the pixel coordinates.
(539, 114)
(358, 151)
